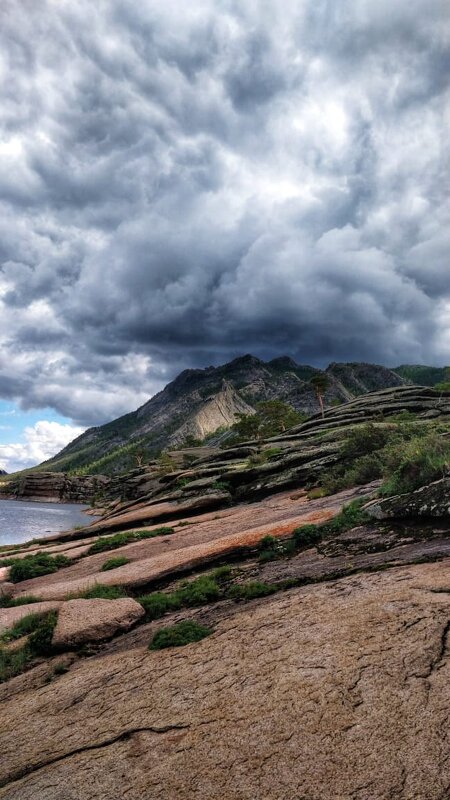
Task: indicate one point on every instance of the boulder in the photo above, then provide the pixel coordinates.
(431, 501)
(81, 621)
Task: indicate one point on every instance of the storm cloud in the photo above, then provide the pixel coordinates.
(183, 183)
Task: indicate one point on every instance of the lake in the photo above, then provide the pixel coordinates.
(21, 521)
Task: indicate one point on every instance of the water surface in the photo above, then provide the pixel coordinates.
(22, 520)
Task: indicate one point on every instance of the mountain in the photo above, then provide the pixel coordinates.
(421, 374)
(199, 401)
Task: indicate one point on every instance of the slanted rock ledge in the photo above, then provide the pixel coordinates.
(427, 502)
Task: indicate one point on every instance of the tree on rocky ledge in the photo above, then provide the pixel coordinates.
(320, 384)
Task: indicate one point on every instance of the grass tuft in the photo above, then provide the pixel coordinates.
(33, 566)
(113, 563)
(179, 635)
(105, 543)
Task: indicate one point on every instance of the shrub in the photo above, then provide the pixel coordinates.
(12, 663)
(270, 548)
(40, 641)
(204, 589)
(365, 439)
(414, 463)
(179, 635)
(251, 590)
(40, 631)
(11, 602)
(350, 516)
(222, 486)
(306, 535)
(35, 565)
(156, 604)
(113, 563)
(103, 592)
(22, 627)
(105, 543)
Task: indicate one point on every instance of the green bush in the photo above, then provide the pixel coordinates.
(414, 463)
(365, 439)
(40, 633)
(12, 663)
(350, 516)
(40, 641)
(200, 591)
(270, 549)
(251, 590)
(179, 635)
(306, 536)
(102, 592)
(106, 543)
(113, 563)
(11, 602)
(22, 627)
(35, 565)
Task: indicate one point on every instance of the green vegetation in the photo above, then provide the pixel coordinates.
(39, 631)
(306, 536)
(113, 563)
(221, 486)
(406, 455)
(419, 461)
(320, 383)
(22, 627)
(33, 566)
(187, 594)
(422, 375)
(270, 549)
(101, 592)
(179, 635)
(11, 602)
(272, 417)
(251, 590)
(105, 543)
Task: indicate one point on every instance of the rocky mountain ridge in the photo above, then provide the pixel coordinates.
(200, 400)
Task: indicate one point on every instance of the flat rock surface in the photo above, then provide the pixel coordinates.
(81, 621)
(208, 537)
(335, 691)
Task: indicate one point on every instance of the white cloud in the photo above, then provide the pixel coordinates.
(40, 442)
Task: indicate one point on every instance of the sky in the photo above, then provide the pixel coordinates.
(182, 183)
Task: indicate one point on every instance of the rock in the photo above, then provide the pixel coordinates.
(57, 487)
(429, 502)
(332, 691)
(81, 621)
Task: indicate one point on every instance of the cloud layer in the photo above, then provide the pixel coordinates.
(39, 442)
(181, 183)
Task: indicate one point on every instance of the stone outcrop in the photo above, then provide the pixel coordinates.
(332, 691)
(221, 410)
(57, 487)
(82, 621)
(429, 502)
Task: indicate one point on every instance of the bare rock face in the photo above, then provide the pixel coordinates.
(336, 691)
(221, 410)
(427, 502)
(81, 621)
(56, 487)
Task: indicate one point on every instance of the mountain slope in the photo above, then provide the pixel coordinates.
(200, 400)
(421, 374)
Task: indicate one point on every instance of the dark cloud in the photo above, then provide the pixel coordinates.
(178, 186)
